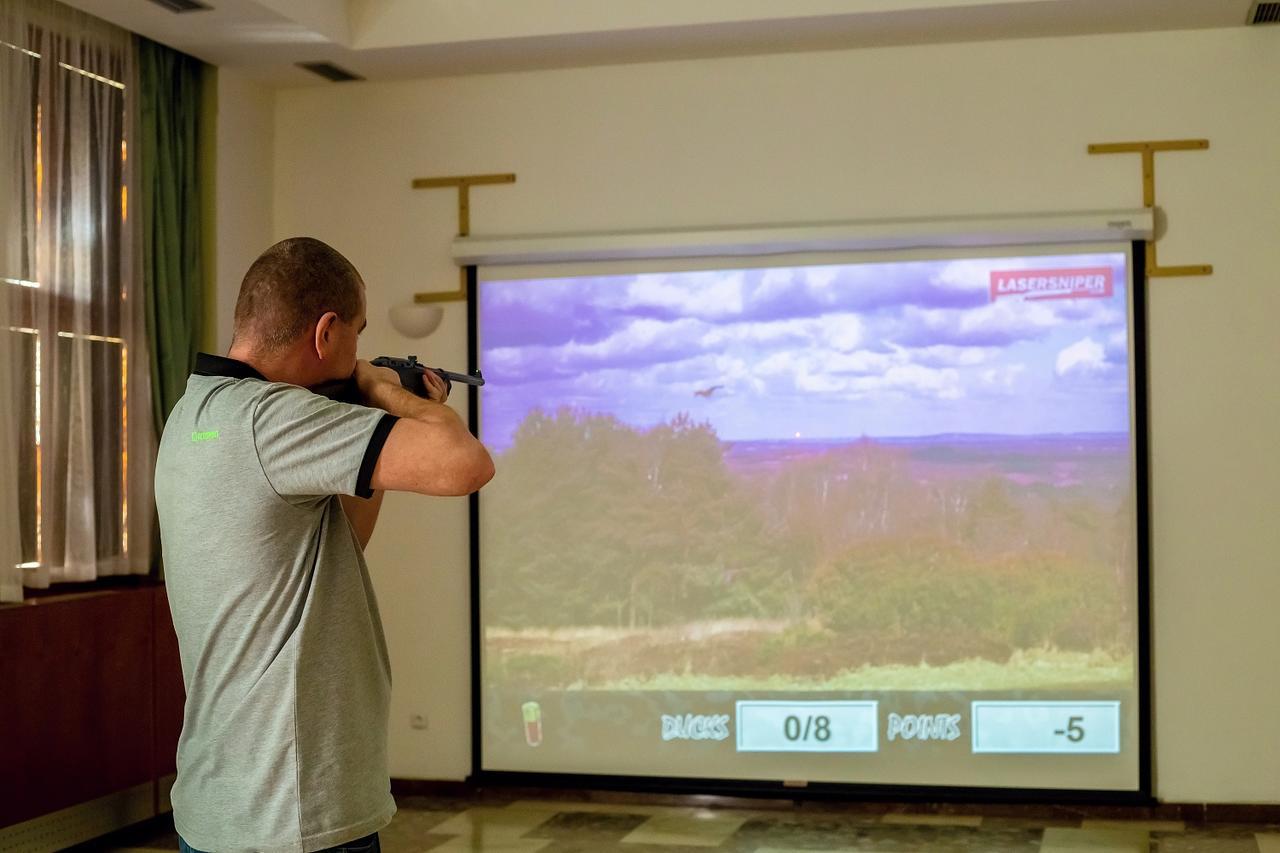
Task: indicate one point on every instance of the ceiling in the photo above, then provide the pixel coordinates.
(401, 39)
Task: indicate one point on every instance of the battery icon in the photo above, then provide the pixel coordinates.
(532, 712)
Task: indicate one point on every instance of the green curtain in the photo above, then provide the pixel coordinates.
(170, 188)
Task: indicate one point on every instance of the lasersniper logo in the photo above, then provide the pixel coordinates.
(1080, 283)
(210, 435)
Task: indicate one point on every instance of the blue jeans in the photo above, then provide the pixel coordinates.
(368, 844)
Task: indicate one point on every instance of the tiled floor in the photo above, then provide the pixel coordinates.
(534, 826)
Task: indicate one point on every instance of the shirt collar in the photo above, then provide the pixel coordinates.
(217, 365)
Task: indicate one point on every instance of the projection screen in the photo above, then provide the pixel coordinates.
(863, 519)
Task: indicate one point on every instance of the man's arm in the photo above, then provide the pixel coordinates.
(429, 451)
(363, 515)
(363, 512)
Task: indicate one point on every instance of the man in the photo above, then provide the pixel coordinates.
(267, 495)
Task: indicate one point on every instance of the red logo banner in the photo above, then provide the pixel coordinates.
(1078, 283)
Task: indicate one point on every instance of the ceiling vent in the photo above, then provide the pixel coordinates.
(1265, 13)
(179, 6)
(329, 71)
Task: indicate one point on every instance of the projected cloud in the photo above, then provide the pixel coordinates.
(907, 337)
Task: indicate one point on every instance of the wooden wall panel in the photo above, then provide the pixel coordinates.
(170, 695)
(78, 699)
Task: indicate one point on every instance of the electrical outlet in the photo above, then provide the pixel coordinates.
(417, 721)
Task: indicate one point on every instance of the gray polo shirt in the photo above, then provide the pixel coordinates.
(284, 736)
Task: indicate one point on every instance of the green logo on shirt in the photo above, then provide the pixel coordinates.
(204, 436)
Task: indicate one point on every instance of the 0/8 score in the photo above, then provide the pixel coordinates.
(781, 726)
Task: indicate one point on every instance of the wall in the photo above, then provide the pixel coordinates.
(245, 133)
(930, 130)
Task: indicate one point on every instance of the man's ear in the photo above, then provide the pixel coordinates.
(324, 333)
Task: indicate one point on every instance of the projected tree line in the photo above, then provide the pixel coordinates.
(667, 558)
(909, 474)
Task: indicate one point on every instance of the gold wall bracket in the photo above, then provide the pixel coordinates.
(463, 183)
(1148, 151)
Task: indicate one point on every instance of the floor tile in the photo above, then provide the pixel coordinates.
(491, 845)
(568, 846)
(498, 825)
(1030, 822)
(421, 820)
(813, 850)
(916, 838)
(484, 823)
(583, 827)
(400, 839)
(812, 832)
(1059, 840)
(701, 829)
(931, 819)
(1148, 825)
(1204, 843)
(556, 806)
(1268, 842)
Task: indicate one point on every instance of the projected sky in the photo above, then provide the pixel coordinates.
(817, 352)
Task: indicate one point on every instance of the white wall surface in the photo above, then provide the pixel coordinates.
(910, 131)
(245, 134)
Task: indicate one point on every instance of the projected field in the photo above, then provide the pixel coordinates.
(790, 522)
(807, 727)
(1043, 727)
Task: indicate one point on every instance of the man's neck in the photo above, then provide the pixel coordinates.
(280, 366)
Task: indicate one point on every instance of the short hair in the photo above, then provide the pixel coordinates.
(291, 286)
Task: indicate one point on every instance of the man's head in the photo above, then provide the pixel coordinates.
(300, 310)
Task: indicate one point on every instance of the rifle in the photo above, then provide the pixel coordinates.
(411, 372)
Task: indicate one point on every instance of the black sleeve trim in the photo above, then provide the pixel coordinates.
(371, 453)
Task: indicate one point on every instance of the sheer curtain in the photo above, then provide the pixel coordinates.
(80, 412)
(10, 351)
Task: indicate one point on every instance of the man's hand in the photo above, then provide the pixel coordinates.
(369, 377)
(436, 388)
